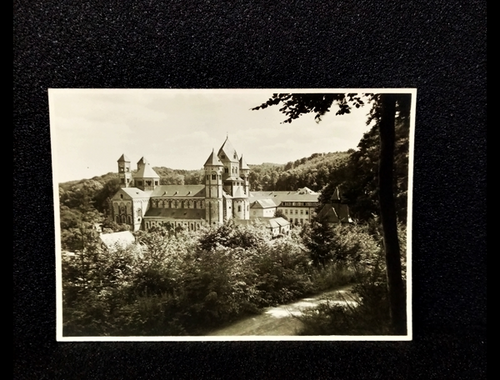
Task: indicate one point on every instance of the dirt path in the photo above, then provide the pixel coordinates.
(279, 320)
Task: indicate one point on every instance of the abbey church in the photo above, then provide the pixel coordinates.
(225, 195)
(142, 202)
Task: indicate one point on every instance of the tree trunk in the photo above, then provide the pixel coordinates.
(397, 296)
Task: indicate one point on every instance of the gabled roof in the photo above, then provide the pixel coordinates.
(179, 191)
(335, 213)
(243, 164)
(283, 196)
(117, 240)
(263, 203)
(175, 213)
(123, 158)
(228, 150)
(274, 222)
(213, 160)
(282, 221)
(132, 192)
(306, 190)
(144, 170)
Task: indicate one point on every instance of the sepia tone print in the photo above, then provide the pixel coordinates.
(233, 214)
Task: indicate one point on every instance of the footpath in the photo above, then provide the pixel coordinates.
(281, 320)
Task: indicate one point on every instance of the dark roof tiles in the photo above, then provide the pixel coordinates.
(179, 191)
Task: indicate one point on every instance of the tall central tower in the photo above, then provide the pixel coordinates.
(233, 184)
(213, 190)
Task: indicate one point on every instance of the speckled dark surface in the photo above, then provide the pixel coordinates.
(439, 47)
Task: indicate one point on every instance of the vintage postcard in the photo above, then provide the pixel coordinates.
(234, 214)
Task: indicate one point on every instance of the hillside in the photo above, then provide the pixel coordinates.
(313, 172)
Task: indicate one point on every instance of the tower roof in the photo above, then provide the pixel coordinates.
(336, 196)
(243, 164)
(213, 160)
(228, 151)
(123, 158)
(142, 161)
(145, 170)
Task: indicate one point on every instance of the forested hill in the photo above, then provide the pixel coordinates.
(313, 172)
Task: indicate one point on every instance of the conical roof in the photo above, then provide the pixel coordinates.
(123, 158)
(213, 160)
(228, 150)
(243, 164)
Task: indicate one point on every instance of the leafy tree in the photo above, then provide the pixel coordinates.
(102, 197)
(280, 214)
(386, 110)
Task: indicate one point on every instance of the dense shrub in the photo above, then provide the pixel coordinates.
(185, 283)
(367, 313)
(370, 315)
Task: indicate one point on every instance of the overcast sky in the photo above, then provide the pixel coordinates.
(91, 129)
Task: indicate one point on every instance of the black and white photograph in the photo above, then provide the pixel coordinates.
(251, 214)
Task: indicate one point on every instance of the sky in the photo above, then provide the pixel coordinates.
(92, 128)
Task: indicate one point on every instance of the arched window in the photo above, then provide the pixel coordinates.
(123, 218)
(117, 218)
(129, 219)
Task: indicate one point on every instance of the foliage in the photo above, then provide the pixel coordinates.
(366, 312)
(347, 244)
(387, 111)
(186, 283)
(358, 178)
(313, 172)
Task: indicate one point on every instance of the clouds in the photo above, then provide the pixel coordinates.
(178, 129)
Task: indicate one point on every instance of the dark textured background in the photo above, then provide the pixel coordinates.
(439, 47)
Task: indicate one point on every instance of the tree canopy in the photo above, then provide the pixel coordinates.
(387, 111)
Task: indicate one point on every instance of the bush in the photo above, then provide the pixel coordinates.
(366, 312)
(186, 283)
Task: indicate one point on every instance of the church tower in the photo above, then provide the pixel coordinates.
(146, 178)
(124, 173)
(213, 190)
(233, 184)
(244, 174)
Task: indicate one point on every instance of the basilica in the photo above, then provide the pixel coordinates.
(225, 196)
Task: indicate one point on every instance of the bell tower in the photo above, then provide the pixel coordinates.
(124, 173)
(213, 190)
